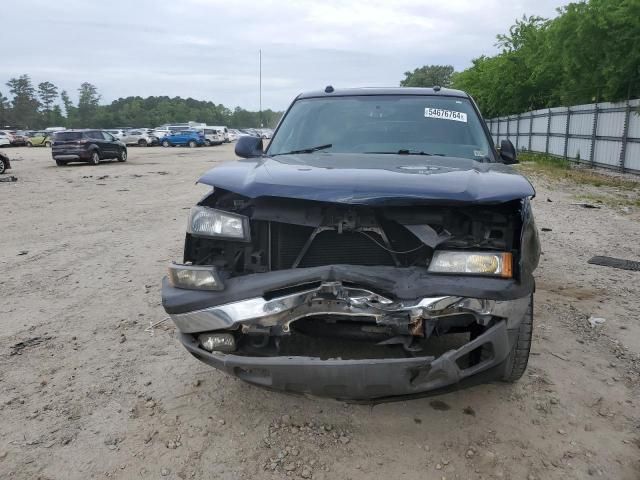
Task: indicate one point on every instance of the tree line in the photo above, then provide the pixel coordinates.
(45, 105)
(589, 53)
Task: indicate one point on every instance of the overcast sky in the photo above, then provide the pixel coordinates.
(208, 49)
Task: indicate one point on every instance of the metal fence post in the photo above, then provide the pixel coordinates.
(546, 146)
(530, 130)
(498, 133)
(517, 131)
(508, 126)
(625, 134)
(594, 130)
(566, 133)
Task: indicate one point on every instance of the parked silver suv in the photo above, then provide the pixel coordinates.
(140, 138)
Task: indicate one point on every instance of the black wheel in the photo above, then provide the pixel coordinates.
(142, 143)
(3, 167)
(166, 143)
(61, 163)
(192, 144)
(519, 357)
(95, 158)
(47, 144)
(122, 156)
(29, 144)
(207, 143)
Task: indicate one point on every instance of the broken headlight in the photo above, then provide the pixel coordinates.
(194, 277)
(499, 264)
(210, 222)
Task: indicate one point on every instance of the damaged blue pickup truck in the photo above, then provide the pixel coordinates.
(380, 247)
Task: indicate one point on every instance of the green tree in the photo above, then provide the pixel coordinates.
(5, 111)
(56, 118)
(47, 93)
(130, 111)
(24, 104)
(428, 76)
(69, 109)
(589, 52)
(88, 102)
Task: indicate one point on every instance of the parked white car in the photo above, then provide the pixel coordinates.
(225, 131)
(233, 135)
(213, 136)
(5, 141)
(161, 132)
(140, 138)
(119, 134)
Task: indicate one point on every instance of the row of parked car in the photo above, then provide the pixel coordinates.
(191, 135)
(28, 138)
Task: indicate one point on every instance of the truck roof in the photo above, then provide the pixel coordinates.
(342, 92)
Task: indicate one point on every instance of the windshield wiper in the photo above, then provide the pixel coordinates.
(305, 150)
(409, 152)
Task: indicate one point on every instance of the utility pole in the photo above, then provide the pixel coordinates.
(260, 88)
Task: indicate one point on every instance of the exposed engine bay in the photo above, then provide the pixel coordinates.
(290, 233)
(345, 319)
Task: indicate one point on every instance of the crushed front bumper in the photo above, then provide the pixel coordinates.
(361, 379)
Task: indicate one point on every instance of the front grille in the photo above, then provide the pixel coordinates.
(287, 241)
(353, 248)
(327, 248)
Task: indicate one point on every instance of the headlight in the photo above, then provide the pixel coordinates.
(499, 264)
(216, 223)
(194, 277)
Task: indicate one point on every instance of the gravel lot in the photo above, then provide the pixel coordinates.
(88, 392)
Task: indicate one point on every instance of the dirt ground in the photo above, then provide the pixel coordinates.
(88, 391)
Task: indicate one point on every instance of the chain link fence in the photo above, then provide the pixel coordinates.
(598, 134)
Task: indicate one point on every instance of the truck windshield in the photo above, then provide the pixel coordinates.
(427, 125)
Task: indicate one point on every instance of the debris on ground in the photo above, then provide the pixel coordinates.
(152, 325)
(439, 405)
(585, 205)
(615, 263)
(595, 321)
(10, 178)
(17, 348)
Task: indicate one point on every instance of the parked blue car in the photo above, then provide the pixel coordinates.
(187, 137)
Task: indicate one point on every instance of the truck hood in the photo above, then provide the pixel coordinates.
(370, 179)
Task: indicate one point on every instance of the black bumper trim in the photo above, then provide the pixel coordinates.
(364, 380)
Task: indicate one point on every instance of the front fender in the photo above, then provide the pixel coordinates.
(529, 241)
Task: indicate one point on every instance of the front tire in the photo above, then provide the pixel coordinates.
(166, 143)
(519, 356)
(29, 144)
(192, 144)
(207, 143)
(61, 163)
(142, 143)
(95, 158)
(122, 156)
(47, 144)
(3, 167)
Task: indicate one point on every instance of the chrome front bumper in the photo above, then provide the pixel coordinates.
(365, 379)
(334, 298)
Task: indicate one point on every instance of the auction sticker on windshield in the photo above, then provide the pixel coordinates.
(445, 114)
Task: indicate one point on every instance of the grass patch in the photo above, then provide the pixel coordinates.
(608, 200)
(546, 162)
(560, 169)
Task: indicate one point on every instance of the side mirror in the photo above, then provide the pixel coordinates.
(249, 147)
(508, 152)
